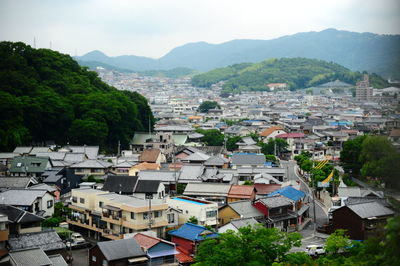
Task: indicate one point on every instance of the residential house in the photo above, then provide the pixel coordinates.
(271, 132)
(91, 167)
(23, 150)
(361, 221)
(168, 178)
(241, 192)
(247, 144)
(237, 130)
(277, 212)
(4, 233)
(90, 152)
(247, 160)
(159, 251)
(33, 256)
(30, 166)
(189, 236)
(217, 162)
(264, 189)
(6, 158)
(209, 191)
(16, 182)
(291, 139)
(121, 184)
(191, 173)
(134, 170)
(112, 215)
(18, 221)
(122, 167)
(236, 224)
(206, 212)
(264, 178)
(237, 210)
(64, 179)
(117, 252)
(152, 156)
(39, 202)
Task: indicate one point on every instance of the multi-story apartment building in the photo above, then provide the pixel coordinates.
(112, 215)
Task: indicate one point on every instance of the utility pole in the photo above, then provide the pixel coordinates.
(149, 196)
(312, 191)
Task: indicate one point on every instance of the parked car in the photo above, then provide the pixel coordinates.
(77, 241)
(315, 250)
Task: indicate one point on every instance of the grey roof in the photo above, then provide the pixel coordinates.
(163, 176)
(16, 215)
(33, 256)
(8, 155)
(215, 160)
(275, 201)
(47, 240)
(239, 223)
(147, 186)
(30, 164)
(51, 176)
(197, 157)
(207, 189)
(120, 249)
(22, 150)
(251, 159)
(57, 260)
(74, 157)
(191, 173)
(246, 141)
(92, 164)
(358, 200)
(90, 151)
(43, 186)
(26, 197)
(36, 150)
(54, 156)
(117, 183)
(245, 209)
(370, 209)
(15, 182)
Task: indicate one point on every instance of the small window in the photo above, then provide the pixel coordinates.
(19, 164)
(74, 199)
(157, 214)
(145, 216)
(210, 214)
(101, 204)
(49, 204)
(93, 258)
(105, 263)
(171, 218)
(132, 215)
(82, 200)
(111, 226)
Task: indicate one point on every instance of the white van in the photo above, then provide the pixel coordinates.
(315, 250)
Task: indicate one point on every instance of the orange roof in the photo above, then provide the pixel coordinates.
(146, 241)
(147, 166)
(182, 257)
(241, 191)
(193, 117)
(149, 155)
(268, 131)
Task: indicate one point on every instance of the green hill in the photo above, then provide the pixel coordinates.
(298, 73)
(45, 95)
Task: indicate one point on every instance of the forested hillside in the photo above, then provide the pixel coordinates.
(298, 73)
(45, 95)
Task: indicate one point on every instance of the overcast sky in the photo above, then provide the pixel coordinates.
(154, 27)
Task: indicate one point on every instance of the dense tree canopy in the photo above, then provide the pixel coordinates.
(298, 73)
(207, 105)
(45, 95)
(212, 137)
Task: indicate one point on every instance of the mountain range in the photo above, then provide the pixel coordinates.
(370, 52)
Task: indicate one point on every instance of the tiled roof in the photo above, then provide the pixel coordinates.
(120, 249)
(47, 240)
(241, 191)
(32, 256)
(245, 209)
(183, 256)
(247, 158)
(21, 197)
(290, 135)
(147, 186)
(147, 166)
(264, 189)
(370, 209)
(149, 155)
(289, 192)
(193, 232)
(268, 131)
(214, 189)
(92, 164)
(146, 241)
(275, 201)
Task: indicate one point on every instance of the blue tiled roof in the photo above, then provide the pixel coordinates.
(192, 232)
(289, 192)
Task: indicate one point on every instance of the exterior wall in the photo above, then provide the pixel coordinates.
(86, 172)
(262, 208)
(186, 244)
(273, 135)
(198, 211)
(344, 218)
(96, 252)
(226, 214)
(43, 204)
(227, 227)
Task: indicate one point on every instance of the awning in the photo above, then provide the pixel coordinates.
(162, 253)
(137, 259)
(111, 208)
(303, 209)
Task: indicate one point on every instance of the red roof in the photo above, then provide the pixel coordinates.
(268, 131)
(182, 257)
(241, 191)
(263, 189)
(290, 135)
(146, 241)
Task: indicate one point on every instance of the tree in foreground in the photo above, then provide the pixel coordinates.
(250, 246)
(207, 105)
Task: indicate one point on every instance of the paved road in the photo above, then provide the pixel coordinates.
(322, 216)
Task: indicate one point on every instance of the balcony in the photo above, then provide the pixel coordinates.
(110, 234)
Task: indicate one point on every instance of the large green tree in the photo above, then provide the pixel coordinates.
(350, 155)
(249, 246)
(212, 137)
(207, 105)
(45, 95)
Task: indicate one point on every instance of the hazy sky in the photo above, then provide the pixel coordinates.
(154, 27)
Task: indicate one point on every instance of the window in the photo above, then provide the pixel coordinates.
(105, 263)
(132, 215)
(171, 218)
(145, 216)
(49, 204)
(82, 200)
(93, 258)
(157, 214)
(210, 214)
(19, 164)
(111, 226)
(74, 199)
(101, 204)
